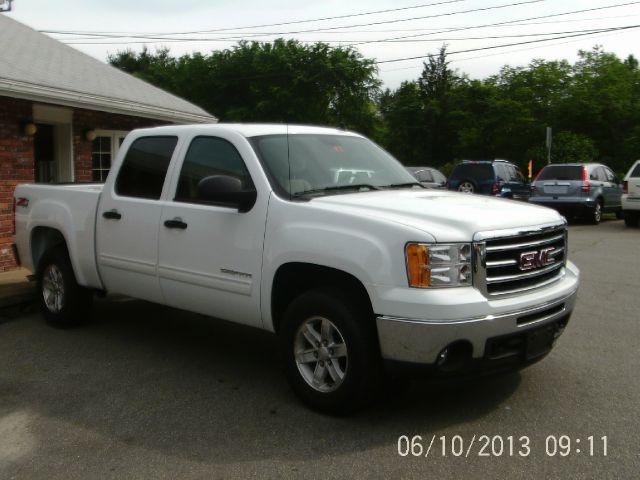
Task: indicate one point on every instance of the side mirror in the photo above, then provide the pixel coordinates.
(227, 191)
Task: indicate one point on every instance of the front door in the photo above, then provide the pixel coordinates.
(210, 256)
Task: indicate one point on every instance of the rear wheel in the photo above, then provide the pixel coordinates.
(62, 301)
(466, 186)
(619, 214)
(596, 213)
(330, 351)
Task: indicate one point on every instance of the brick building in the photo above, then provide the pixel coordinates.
(63, 115)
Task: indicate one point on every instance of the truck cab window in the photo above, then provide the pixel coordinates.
(209, 156)
(145, 166)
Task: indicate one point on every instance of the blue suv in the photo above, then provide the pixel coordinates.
(490, 177)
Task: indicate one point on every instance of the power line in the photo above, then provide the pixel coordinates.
(98, 35)
(315, 30)
(294, 22)
(598, 35)
(379, 62)
(502, 23)
(440, 39)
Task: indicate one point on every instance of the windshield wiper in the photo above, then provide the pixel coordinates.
(337, 188)
(403, 185)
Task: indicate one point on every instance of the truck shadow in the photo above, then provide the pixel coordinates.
(211, 391)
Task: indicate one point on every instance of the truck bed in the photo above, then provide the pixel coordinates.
(67, 208)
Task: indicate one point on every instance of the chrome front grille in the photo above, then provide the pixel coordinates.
(517, 261)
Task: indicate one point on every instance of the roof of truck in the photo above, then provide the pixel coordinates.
(248, 129)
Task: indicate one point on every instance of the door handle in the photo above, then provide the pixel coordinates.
(112, 215)
(175, 223)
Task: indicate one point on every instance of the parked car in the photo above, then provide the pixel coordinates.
(251, 224)
(631, 196)
(428, 176)
(499, 178)
(578, 189)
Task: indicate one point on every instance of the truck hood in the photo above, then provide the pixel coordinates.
(447, 216)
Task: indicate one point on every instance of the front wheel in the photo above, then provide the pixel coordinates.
(63, 302)
(330, 351)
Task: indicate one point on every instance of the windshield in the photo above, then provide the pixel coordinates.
(328, 164)
(561, 172)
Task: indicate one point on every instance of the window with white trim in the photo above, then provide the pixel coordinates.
(103, 150)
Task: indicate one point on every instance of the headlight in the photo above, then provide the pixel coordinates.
(438, 264)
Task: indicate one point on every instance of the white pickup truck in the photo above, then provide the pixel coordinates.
(315, 234)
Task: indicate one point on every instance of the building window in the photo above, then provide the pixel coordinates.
(103, 150)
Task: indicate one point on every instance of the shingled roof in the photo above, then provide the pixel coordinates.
(36, 67)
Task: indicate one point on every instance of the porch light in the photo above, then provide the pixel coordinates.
(29, 128)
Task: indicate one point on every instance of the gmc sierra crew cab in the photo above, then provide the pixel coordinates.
(315, 234)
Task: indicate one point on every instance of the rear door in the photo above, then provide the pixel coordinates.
(128, 219)
(210, 256)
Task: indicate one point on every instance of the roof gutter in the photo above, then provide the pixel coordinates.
(57, 96)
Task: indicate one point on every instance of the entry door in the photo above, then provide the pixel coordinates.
(129, 217)
(210, 256)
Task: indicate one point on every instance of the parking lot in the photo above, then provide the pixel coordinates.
(145, 391)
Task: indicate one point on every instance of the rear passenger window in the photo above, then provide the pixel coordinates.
(602, 176)
(209, 156)
(610, 176)
(636, 171)
(145, 166)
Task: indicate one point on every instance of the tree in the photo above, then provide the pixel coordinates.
(436, 85)
(283, 81)
(403, 114)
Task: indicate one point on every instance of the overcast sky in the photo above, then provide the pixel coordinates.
(463, 19)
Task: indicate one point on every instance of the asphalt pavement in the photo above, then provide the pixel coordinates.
(145, 391)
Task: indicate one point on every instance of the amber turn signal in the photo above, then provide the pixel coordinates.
(418, 268)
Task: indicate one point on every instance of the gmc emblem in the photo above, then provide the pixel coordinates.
(537, 259)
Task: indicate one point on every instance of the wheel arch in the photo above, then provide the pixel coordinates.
(294, 278)
(43, 239)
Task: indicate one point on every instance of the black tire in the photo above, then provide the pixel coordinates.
(619, 214)
(595, 215)
(631, 219)
(362, 366)
(467, 186)
(55, 276)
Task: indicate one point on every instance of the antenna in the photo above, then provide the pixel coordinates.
(5, 5)
(289, 164)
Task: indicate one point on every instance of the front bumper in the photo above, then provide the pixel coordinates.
(502, 322)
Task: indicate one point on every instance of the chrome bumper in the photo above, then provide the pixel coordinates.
(420, 341)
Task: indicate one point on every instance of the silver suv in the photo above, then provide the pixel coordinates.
(578, 189)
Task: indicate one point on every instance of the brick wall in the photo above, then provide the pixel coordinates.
(16, 166)
(17, 163)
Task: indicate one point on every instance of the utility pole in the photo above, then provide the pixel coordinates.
(5, 5)
(548, 144)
